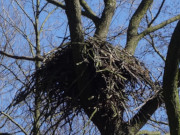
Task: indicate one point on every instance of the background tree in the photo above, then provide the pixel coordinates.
(31, 41)
(112, 114)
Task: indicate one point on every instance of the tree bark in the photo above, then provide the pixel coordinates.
(37, 102)
(170, 82)
(102, 118)
(107, 124)
(132, 33)
(103, 25)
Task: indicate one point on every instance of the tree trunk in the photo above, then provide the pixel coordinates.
(108, 117)
(37, 101)
(170, 82)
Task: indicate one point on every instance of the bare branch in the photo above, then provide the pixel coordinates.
(154, 28)
(43, 7)
(16, 77)
(157, 14)
(13, 121)
(45, 20)
(159, 122)
(154, 47)
(132, 33)
(24, 11)
(22, 57)
(20, 31)
(105, 20)
(144, 114)
(58, 4)
(88, 12)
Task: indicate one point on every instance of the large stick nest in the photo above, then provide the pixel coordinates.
(116, 75)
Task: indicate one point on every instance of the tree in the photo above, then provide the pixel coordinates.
(91, 75)
(34, 47)
(170, 82)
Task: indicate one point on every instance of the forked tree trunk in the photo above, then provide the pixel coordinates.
(102, 117)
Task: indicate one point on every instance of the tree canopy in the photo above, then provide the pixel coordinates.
(89, 67)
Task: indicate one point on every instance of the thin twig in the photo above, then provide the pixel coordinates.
(13, 121)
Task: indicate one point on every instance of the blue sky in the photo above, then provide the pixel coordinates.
(55, 28)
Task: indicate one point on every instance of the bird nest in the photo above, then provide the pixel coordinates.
(115, 74)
